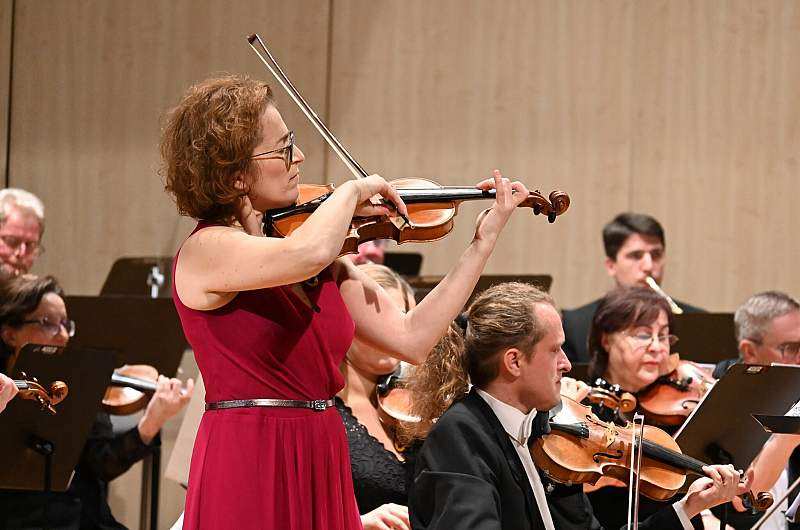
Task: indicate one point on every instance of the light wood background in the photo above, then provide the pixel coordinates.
(687, 110)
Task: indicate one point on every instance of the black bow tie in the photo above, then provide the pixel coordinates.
(540, 425)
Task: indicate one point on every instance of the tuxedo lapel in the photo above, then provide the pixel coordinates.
(474, 402)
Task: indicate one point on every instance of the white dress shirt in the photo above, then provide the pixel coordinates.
(518, 427)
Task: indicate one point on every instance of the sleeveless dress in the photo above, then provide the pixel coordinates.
(268, 467)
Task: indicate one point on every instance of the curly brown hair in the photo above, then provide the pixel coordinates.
(207, 143)
(501, 317)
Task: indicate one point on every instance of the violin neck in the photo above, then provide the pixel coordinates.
(444, 193)
(21, 384)
(142, 385)
(673, 458)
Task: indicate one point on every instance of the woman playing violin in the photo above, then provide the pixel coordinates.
(32, 311)
(271, 318)
(630, 340)
(380, 469)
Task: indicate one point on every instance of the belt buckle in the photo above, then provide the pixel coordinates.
(319, 405)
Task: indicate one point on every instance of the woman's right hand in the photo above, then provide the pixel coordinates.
(369, 187)
(7, 391)
(387, 517)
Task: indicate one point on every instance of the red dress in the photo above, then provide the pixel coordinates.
(271, 468)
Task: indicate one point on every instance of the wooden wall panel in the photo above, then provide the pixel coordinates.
(717, 132)
(92, 79)
(449, 90)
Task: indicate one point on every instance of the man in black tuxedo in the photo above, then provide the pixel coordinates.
(475, 470)
(635, 249)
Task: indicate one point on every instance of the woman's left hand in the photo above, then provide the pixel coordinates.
(169, 398)
(7, 391)
(509, 195)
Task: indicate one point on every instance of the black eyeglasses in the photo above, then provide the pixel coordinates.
(14, 243)
(53, 328)
(287, 153)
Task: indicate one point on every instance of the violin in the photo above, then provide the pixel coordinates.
(394, 401)
(431, 207)
(672, 397)
(30, 388)
(581, 448)
(130, 389)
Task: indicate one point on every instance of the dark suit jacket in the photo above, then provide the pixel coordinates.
(469, 476)
(578, 322)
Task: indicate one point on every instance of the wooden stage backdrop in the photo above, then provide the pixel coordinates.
(687, 110)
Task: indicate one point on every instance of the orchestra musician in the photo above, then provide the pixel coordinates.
(21, 230)
(381, 468)
(768, 331)
(474, 469)
(32, 311)
(7, 391)
(270, 319)
(635, 248)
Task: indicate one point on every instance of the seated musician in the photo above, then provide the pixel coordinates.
(768, 331)
(380, 468)
(7, 391)
(32, 310)
(629, 344)
(635, 248)
(474, 469)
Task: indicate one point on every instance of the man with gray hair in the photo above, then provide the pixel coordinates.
(768, 331)
(21, 229)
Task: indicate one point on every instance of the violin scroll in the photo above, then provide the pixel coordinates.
(31, 388)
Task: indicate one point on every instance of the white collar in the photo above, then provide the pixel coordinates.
(517, 424)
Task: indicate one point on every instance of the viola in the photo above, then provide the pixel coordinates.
(30, 388)
(130, 389)
(581, 448)
(431, 206)
(672, 397)
(394, 402)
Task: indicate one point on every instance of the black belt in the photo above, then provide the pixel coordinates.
(318, 404)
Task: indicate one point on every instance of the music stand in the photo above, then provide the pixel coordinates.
(424, 284)
(140, 330)
(404, 263)
(721, 429)
(39, 451)
(143, 276)
(706, 337)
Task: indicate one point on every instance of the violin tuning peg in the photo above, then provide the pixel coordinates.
(551, 216)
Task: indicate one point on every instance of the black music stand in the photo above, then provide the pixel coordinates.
(424, 284)
(706, 337)
(141, 330)
(722, 430)
(39, 451)
(404, 263)
(149, 276)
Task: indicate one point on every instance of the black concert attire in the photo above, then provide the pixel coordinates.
(379, 477)
(578, 322)
(85, 503)
(469, 474)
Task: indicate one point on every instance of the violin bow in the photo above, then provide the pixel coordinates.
(277, 72)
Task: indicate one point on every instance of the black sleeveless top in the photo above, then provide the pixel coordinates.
(378, 476)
